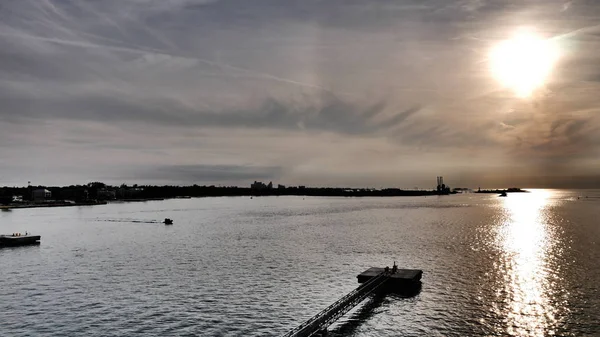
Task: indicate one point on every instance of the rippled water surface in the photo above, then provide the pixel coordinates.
(524, 265)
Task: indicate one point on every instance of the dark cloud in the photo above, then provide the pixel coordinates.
(332, 115)
(209, 173)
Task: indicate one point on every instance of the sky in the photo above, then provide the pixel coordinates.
(369, 93)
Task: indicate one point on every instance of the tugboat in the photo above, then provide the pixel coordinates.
(18, 239)
(503, 194)
(168, 221)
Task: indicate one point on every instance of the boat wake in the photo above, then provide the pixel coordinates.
(128, 221)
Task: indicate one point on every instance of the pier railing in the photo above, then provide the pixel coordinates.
(336, 310)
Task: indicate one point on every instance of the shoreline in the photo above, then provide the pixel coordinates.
(48, 205)
(387, 193)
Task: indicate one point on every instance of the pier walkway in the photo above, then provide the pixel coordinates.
(319, 322)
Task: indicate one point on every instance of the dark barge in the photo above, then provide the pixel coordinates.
(14, 240)
(399, 281)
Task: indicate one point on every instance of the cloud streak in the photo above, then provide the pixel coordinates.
(396, 82)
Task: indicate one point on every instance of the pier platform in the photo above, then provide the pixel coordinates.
(400, 281)
(22, 240)
(406, 282)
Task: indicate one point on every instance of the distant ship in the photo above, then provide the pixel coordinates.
(503, 194)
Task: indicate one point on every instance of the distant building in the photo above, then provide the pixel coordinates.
(129, 193)
(280, 187)
(441, 187)
(41, 194)
(259, 185)
(104, 194)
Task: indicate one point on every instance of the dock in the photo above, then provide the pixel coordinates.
(19, 240)
(402, 281)
(373, 280)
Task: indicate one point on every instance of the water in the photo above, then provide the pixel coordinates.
(525, 265)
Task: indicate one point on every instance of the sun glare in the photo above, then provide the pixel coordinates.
(528, 242)
(523, 62)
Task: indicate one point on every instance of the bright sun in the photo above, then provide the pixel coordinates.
(523, 62)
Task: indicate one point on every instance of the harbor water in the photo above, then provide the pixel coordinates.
(523, 265)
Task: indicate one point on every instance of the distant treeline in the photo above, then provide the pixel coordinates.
(208, 191)
(101, 191)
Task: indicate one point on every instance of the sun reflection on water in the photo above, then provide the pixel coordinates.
(526, 242)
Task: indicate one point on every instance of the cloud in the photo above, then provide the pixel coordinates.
(238, 174)
(387, 82)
